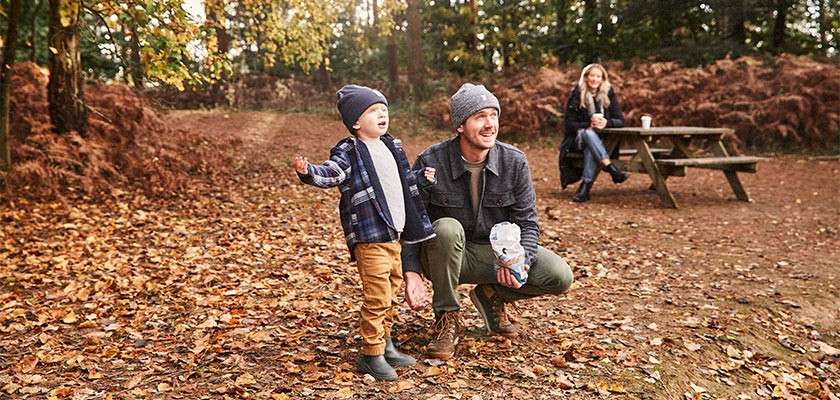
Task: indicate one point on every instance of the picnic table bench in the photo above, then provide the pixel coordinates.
(675, 152)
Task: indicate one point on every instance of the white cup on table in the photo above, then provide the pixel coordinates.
(646, 121)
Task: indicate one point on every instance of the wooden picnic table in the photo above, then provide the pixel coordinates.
(676, 148)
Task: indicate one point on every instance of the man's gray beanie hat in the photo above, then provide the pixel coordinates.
(468, 100)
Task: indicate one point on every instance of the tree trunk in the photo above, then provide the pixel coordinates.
(782, 8)
(374, 10)
(216, 17)
(223, 42)
(65, 89)
(590, 37)
(738, 20)
(664, 23)
(9, 49)
(608, 31)
(471, 41)
(415, 55)
(137, 76)
(354, 5)
(258, 55)
(393, 61)
(125, 56)
(561, 8)
(222, 36)
(33, 34)
(503, 45)
(322, 75)
(823, 26)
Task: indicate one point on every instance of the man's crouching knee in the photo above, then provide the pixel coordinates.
(560, 277)
(448, 230)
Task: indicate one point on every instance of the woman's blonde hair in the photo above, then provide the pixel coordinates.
(602, 90)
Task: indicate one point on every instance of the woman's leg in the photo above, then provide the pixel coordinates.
(594, 153)
(592, 143)
(590, 165)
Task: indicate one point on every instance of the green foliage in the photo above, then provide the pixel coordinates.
(29, 10)
(293, 33)
(468, 38)
(165, 33)
(453, 38)
(99, 61)
(473, 37)
(358, 49)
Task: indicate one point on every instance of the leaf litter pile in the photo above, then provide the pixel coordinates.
(243, 288)
(126, 142)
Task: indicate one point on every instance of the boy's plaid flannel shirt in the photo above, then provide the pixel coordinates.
(362, 216)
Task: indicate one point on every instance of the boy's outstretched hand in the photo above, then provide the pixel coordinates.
(429, 173)
(301, 165)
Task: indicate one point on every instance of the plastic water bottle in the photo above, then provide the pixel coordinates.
(504, 238)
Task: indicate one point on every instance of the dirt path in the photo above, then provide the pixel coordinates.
(243, 288)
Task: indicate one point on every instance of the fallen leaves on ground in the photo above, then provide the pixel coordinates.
(245, 290)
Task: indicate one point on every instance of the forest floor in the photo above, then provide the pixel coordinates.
(243, 288)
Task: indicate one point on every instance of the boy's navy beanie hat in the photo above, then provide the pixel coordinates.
(353, 100)
(468, 100)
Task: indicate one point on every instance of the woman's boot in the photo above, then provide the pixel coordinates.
(582, 193)
(617, 175)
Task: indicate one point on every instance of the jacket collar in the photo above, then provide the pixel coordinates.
(456, 162)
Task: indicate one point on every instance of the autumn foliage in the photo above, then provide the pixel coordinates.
(786, 101)
(261, 92)
(126, 142)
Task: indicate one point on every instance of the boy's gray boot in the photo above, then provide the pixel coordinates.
(395, 357)
(377, 367)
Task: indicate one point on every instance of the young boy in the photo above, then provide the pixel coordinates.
(379, 206)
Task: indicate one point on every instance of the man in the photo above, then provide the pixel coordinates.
(480, 182)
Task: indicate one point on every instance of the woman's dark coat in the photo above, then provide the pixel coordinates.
(578, 117)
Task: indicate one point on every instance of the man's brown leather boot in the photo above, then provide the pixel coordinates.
(491, 307)
(447, 331)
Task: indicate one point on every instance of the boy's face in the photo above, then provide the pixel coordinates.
(373, 123)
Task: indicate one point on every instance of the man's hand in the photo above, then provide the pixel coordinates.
(506, 278)
(301, 165)
(429, 173)
(416, 294)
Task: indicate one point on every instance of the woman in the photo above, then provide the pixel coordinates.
(592, 106)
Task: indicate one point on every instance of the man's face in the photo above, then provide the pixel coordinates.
(479, 131)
